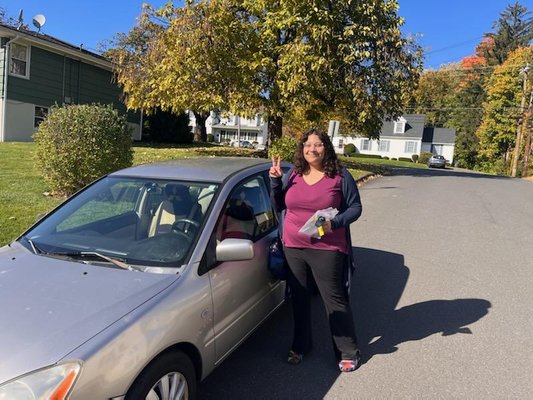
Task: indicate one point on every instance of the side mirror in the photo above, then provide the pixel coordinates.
(235, 250)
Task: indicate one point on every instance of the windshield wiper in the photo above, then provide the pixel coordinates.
(34, 247)
(114, 261)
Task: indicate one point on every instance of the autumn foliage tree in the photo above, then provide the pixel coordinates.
(341, 58)
(501, 112)
(513, 29)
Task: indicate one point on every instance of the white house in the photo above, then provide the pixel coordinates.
(402, 138)
(230, 128)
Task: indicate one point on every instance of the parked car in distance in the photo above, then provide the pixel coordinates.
(437, 161)
(259, 146)
(140, 284)
(243, 143)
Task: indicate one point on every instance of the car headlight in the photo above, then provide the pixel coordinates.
(52, 383)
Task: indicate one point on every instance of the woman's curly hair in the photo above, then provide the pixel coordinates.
(332, 166)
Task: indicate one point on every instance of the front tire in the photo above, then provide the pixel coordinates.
(170, 376)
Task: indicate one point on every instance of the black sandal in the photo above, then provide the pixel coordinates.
(294, 358)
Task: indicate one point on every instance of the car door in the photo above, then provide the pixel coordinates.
(244, 292)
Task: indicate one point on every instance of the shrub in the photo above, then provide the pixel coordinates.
(414, 157)
(405, 159)
(284, 147)
(210, 138)
(350, 149)
(385, 158)
(424, 157)
(359, 155)
(76, 144)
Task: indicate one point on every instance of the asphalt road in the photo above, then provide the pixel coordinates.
(442, 300)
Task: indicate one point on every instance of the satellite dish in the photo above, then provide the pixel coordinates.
(38, 21)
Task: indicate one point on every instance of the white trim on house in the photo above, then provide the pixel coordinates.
(13, 60)
(399, 125)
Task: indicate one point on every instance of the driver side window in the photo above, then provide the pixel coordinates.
(248, 213)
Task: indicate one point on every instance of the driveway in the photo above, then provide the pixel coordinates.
(442, 300)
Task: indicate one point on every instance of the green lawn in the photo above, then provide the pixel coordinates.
(23, 193)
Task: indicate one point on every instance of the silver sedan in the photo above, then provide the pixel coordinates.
(141, 284)
(437, 161)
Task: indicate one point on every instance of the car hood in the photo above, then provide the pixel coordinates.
(48, 307)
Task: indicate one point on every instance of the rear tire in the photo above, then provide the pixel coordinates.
(171, 375)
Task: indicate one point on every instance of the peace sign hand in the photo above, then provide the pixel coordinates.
(275, 170)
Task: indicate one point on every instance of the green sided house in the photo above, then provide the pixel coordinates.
(38, 71)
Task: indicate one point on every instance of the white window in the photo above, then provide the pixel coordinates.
(410, 147)
(383, 145)
(341, 143)
(399, 126)
(19, 60)
(365, 144)
(40, 115)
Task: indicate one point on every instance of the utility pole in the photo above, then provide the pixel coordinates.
(518, 141)
(527, 135)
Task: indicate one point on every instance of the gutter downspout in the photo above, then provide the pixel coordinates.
(6, 74)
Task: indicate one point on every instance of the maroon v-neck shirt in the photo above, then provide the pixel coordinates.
(302, 201)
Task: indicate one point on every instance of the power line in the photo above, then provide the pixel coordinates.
(454, 45)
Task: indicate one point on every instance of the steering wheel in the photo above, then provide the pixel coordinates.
(188, 238)
(185, 223)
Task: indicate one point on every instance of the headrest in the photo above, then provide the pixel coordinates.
(175, 189)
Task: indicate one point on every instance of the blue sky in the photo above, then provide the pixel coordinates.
(450, 29)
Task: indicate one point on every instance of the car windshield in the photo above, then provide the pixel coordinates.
(132, 222)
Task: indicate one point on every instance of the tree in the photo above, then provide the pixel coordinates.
(434, 94)
(166, 127)
(501, 111)
(513, 29)
(337, 58)
(465, 108)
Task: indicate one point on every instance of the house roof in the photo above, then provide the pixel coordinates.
(414, 127)
(53, 44)
(439, 135)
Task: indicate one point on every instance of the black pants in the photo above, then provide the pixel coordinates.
(327, 269)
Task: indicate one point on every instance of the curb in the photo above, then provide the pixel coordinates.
(360, 181)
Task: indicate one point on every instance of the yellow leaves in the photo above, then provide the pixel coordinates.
(279, 55)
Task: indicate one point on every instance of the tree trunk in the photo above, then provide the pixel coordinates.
(200, 131)
(274, 129)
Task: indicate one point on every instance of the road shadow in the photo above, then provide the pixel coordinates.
(378, 284)
(258, 369)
